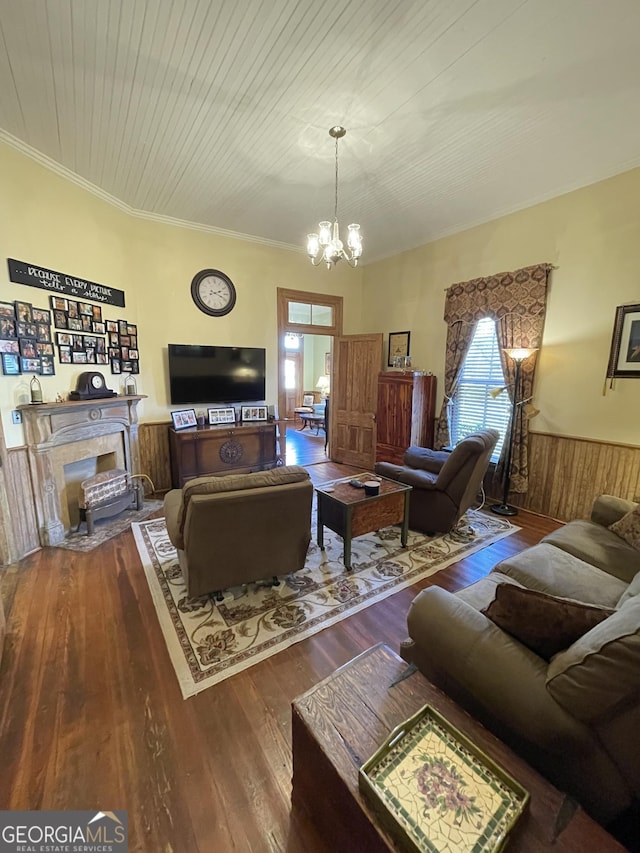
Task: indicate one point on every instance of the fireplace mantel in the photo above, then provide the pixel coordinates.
(49, 430)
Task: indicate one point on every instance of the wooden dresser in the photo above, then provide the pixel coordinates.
(223, 449)
(405, 413)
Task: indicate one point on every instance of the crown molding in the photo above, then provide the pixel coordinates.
(79, 181)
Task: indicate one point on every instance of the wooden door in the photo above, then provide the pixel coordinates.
(357, 360)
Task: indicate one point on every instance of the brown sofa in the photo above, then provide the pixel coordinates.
(239, 528)
(575, 717)
(445, 485)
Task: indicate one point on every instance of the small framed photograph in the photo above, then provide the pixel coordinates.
(96, 312)
(125, 341)
(184, 418)
(122, 327)
(63, 339)
(41, 315)
(44, 348)
(114, 339)
(8, 309)
(85, 308)
(43, 331)
(28, 348)
(72, 308)
(98, 327)
(10, 364)
(26, 330)
(91, 356)
(134, 341)
(60, 319)
(115, 365)
(126, 366)
(10, 345)
(47, 366)
(624, 358)
(132, 329)
(112, 326)
(102, 358)
(7, 327)
(78, 357)
(100, 345)
(77, 342)
(124, 353)
(398, 347)
(87, 323)
(133, 353)
(64, 354)
(89, 341)
(59, 304)
(24, 312)
(253, 413)
(222, 416)
(29, 365)
(74, 323)
(135, 366)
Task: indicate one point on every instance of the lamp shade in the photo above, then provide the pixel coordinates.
(520, 353)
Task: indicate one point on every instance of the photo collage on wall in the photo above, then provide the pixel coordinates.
(81, 337)
(123, 346)
(80, 332)
(25, 339)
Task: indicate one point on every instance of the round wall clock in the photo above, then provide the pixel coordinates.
(213, 292)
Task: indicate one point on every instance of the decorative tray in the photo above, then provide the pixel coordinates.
(434, 790)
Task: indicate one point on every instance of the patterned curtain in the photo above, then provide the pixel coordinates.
(517, 302)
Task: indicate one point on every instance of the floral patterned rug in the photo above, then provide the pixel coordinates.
(209, 641)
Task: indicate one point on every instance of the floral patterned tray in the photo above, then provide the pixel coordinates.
(434, 790)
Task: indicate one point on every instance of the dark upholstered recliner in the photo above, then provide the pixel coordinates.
(445, 485)
(239, 528)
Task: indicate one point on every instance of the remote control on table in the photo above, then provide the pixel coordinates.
(356, 484)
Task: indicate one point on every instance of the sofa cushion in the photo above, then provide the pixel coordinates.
(599, 673)
(598, 546)
(546, 624)
(628, 527)
(481, 593)
(631, 591)
(554, 571)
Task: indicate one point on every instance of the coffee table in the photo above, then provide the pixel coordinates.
(343, 720)
(309, 418)
(349, 512)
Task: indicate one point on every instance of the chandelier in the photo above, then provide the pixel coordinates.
(326, 246)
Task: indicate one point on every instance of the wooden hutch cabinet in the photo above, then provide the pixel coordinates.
(200, 451)
(405, 413)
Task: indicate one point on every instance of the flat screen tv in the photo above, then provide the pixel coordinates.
(205, 374)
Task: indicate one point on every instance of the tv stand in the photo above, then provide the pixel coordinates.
(221, 449)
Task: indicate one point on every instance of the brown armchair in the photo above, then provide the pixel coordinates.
(239, 528)
(445, 485)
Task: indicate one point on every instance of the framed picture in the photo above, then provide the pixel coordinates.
(115, 365)
(398, 346)
(327, 364)
(85, 308)
(28, 348)
(44, 348)
(7, 327)
(47, 367)
(24, 312)
(26, 330)
(59, 304)
(222, 416)
(10, 364)
(184, 418)
(253, 413)
(43, 331)
(74, 323)
(29, 365)
(72, 308)
(624, 358)
(98, 327)
(10, 346)
(64, 354)
(41, 315)
(96, 312)
(8, 309)
(59, 319)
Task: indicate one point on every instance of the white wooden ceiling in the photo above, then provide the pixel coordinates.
(217, 112)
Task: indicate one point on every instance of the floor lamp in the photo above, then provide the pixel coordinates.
(518, 355)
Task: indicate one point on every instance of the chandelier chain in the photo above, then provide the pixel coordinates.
(335, 208)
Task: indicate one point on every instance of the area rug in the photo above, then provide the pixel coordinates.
(106, 528)
(209, 641)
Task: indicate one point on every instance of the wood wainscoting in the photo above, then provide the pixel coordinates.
(155, 458)
(23, 535)
(566, 474)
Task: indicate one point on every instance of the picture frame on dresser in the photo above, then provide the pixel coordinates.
(184, 418)
(222, 416)
(398, 346)
(249, 414)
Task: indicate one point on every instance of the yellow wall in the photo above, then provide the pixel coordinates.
(50, 221)
(593, 236)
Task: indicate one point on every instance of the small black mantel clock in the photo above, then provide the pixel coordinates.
(91, 386)
(213, 292)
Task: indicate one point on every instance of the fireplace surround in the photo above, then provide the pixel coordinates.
(60, 434)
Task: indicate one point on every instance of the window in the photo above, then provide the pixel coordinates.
(472, 407)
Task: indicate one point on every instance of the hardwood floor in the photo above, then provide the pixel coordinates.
(91, 716)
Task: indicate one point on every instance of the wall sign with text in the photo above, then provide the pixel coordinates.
(22, 272)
